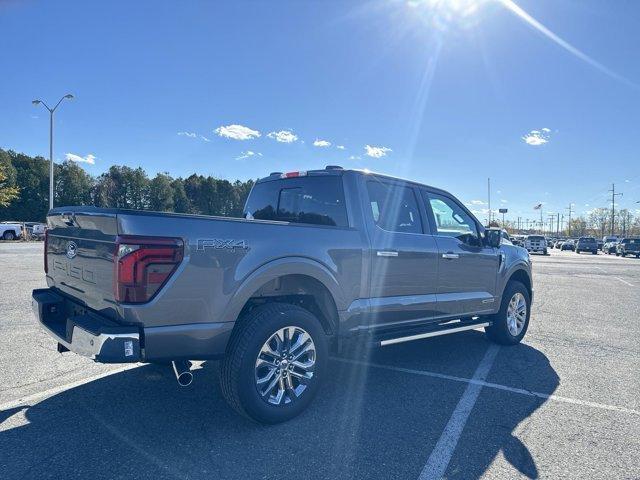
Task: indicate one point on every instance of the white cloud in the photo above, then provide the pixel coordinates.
(321, 143)
(376, 152)
(283, 136)
(90, 159)
(188, 134)
(340, 147)
(502, 200)
(237, 132)
(536, 138)
(354, 157)
(248, 154)
(204, 138)
(477, 202)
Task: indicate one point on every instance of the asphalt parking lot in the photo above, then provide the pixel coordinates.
(564, 404)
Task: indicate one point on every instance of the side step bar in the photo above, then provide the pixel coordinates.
(434, 333)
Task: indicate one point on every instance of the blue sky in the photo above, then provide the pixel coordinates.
(442, 92)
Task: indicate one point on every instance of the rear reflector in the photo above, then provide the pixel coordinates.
(143, 265)
(294, 174)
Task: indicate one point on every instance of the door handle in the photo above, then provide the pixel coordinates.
(386, 253)
(450, 256)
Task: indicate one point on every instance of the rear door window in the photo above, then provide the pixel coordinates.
(394, 207)
(310, 200)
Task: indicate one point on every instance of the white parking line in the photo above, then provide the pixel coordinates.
(496, 386)
(617, 278)
(624, 281)
(440, 457)
(39, 396)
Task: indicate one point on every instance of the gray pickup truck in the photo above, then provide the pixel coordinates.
(321, 260)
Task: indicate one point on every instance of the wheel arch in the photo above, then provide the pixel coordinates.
(522, 276)
(298, 281)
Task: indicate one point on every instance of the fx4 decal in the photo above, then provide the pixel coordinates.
(221, 243)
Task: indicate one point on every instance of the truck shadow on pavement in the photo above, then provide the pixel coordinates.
(369, 421)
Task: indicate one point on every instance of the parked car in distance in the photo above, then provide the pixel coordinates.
(517, 240)
(35, 229)
(628, 246)
(536, 243)
(10, 230)
(610, 247)
(568, 245)
(600, 244)
(558, 243)
(321, 258)
(610, 238)
(587, 244)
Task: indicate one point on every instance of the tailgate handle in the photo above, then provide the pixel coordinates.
(386, 253)
(450, 256)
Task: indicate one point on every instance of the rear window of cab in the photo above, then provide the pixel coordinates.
(313, 200)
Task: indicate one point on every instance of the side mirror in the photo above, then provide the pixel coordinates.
(492, 237)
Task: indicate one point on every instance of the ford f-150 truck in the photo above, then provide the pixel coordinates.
(322, 258)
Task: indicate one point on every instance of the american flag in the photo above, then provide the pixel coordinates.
(538, 206)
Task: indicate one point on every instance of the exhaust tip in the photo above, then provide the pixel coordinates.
(185, 379)
(182, 370)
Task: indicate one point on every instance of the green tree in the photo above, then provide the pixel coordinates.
(242, 192)
(8, 193)
(123, 187)
(181, 203)
(161, 193)
(73, 185)
(32, 178)
(193, 190)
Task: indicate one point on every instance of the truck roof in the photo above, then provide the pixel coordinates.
(338, 170)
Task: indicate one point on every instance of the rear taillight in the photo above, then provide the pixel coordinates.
(46, 244)
(143, 265)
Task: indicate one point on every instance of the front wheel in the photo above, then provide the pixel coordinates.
(9, 235)
(275, 362)
(511, 322)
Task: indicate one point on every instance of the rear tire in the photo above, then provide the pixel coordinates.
(9, 235)
(507, 329)
(246, 363)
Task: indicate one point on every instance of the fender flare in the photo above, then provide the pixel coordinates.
(279, 268)
(519, 266)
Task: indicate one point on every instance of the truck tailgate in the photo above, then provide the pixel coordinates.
(80, 256)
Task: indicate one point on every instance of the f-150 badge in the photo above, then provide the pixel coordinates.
(221, 243)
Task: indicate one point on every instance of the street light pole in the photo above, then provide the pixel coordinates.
(51, 112)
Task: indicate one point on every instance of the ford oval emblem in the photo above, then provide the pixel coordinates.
(71, 249)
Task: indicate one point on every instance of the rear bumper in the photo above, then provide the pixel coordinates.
(83, 332)
(92, 335)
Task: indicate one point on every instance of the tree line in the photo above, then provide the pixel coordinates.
(24, 187)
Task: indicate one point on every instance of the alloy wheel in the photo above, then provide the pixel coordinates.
(516, 314)
(285, 365)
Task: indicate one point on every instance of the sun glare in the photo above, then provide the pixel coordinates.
(446, 14)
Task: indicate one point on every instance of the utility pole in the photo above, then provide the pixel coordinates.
(569, 223)
(613, 206)
(489, 198)
(68, 96)
(552, 217)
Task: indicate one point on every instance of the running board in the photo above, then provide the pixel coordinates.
(435, 333)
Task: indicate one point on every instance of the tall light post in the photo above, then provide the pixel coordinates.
(51, 112)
